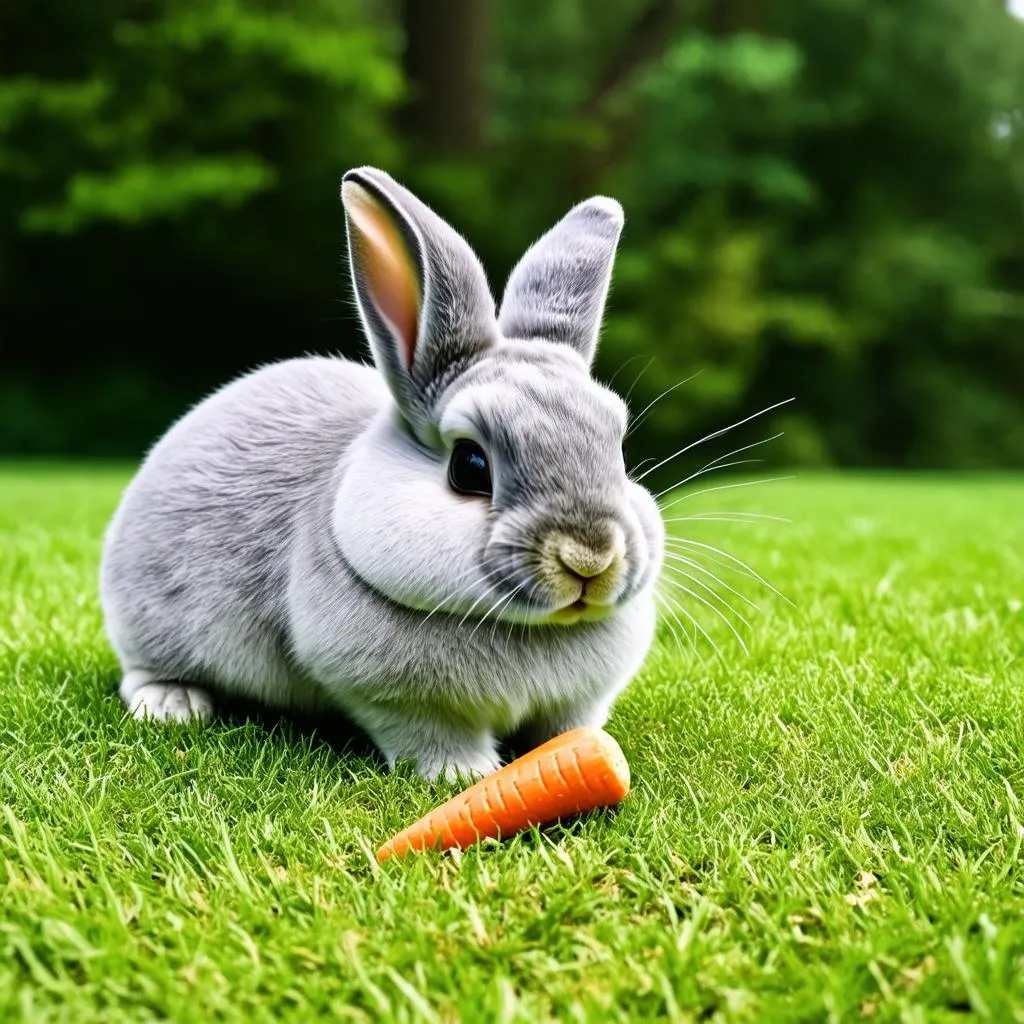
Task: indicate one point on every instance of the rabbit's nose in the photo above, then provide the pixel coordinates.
(586, 561)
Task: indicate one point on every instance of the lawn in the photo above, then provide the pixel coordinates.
(828, 826)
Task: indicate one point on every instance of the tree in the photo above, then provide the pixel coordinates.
(168, 196)
(444, 65)
(824, 198)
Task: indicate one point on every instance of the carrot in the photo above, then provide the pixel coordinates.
(577, 771)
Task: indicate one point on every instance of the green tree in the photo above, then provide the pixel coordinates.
(154, 149)
(824, 198)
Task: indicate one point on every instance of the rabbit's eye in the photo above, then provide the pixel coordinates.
(468, 471)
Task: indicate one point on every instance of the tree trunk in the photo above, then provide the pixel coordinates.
(654, 30)
(446, 44)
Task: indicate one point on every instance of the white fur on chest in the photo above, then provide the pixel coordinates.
(487, 674)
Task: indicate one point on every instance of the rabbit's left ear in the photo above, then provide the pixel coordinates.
(422, 294)
(558, 289)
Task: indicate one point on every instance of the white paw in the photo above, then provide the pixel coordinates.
(170, 702)
(461, 770)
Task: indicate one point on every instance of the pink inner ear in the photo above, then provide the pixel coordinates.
(387, 265)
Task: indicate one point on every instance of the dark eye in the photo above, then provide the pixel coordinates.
(468, 471)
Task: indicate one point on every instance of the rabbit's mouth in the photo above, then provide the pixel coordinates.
(579, 611)
(561, 575)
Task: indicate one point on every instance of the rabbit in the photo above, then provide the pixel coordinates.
(445, 548)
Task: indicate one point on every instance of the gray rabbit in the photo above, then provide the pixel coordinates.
(445, 548)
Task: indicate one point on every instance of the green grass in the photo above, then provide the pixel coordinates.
(830, 827)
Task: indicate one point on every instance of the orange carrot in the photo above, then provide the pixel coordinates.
(577, 771)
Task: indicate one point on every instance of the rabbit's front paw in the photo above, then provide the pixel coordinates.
(437, 749)
(538, 730)
(170, 702)
(461, 769)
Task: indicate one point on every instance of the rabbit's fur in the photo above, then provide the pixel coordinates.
(295, 538)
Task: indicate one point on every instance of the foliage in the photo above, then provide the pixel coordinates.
(825, 198)
(840, 839)
(164, 105)
(160, 163)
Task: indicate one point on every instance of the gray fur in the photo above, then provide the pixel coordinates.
(558, 289)
(294, 539)
(457, 322)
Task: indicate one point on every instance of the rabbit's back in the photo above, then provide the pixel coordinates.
(196, 560)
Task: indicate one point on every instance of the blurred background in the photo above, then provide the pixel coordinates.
(824, 199)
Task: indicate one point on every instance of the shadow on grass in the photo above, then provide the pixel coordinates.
(329, 728)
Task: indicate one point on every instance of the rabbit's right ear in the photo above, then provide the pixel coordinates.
(422, 294)
(558, 289)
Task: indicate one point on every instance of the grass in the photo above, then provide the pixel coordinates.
(830, 827)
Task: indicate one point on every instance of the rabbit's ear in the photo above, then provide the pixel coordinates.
(558, 289)
(422, 294)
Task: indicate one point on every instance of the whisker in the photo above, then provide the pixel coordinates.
(622, 366)
(642, 462)
(697, 626)
(636, 380)
(642, 415)
(444, 600)
(713, 435)
(729, 512)
(725, 519)
(747, 447)
(707, 572)
(674, 581)
(717, 611)
(514, 545)
(732, 558)
(508, 601)
(715, 463)
(728, 567)
(488, 590)
(709, 468)
(726, 487)
(511, 626)
(483, 618)
(675, 633)
(502, 601)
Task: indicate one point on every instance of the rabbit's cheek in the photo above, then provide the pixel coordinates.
(409, 538)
